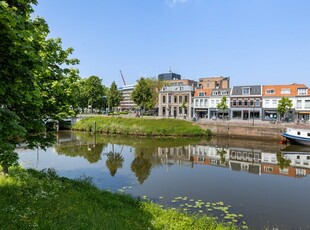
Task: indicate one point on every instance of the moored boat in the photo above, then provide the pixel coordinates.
(297, 135)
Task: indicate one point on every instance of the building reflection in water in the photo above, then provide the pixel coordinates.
(254, 161)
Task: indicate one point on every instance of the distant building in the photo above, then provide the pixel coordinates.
(246, 102)
(175, 98)
(169, 76)
(298, 93)
(208, 94)
(127, 103)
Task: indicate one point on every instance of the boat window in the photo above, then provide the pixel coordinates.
(298, 157)
(308, 134)
(298, 133)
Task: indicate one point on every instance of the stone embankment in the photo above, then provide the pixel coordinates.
(258, 130)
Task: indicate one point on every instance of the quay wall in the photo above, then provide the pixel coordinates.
(258, 131)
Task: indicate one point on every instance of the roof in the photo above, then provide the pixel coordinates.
(206, 91)
(254, 90)
(282, 90)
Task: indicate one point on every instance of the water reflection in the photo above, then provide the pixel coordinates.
(114, 161)
(217, 170)
(257, 158)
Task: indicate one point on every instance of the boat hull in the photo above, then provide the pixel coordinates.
(297, 140)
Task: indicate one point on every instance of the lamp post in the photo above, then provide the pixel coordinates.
(253, 111)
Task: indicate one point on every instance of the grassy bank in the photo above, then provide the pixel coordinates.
(42, 200)
(141, 126)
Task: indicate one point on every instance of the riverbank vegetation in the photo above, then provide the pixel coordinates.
(43, 200)
(141, 126)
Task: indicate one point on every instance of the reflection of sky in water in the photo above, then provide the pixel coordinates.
(265, 200)
(76, 167)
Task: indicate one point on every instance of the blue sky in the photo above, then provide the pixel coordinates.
(251, 41)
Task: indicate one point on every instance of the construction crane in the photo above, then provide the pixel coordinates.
(122, 77)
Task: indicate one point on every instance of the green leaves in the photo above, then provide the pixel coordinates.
(35, 83)
(284, 105)
(114, 96)
(142, 94)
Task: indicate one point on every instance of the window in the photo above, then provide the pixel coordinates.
(164, 99)
(268, 169)
(245, 102)
(285, 91)
(251, 103)
(196, 102)
(257, 103)
(234, 102)
(307, 104)
(274, 102)
(299, 104)
(206, 102)
(269, 91)
(175, 99)
(302, 91)
(169, 99)
(201, 94)
(308, 134)
(267, 102)
(298, 133)
(185, 99)
(224, 93)
(201, 102)
(245, 91)
(180, 99)
(240, 103)
(212, 103)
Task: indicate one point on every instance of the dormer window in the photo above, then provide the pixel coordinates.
(285, 91)
(215, 93)
(201, 94)
(302, 91)
(270, 91)
(246, 91)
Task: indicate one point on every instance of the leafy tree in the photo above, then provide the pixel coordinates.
(93, 92)
(114, 96)
(142, 94)
(155, 86)
(222, 105)
(284, 105)
(35, 80)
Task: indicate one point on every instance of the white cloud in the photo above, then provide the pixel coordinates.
(174, 2)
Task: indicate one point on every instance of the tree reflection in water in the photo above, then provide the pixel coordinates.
(114, 161)
(221, 152)
(282, 161)
(141, 167)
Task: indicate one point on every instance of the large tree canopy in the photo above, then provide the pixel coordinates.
(35, 81)
(284, 104)
(114, 96)
(142, 94)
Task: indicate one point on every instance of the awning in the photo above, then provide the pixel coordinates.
(201, 110)
(304, 112)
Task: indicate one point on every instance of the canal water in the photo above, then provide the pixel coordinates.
(264, 184)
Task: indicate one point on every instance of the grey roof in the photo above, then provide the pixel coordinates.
(254, 90)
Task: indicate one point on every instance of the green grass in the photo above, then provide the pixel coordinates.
(141, 126)
(42, 200)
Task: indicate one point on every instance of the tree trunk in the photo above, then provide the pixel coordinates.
(5, 169)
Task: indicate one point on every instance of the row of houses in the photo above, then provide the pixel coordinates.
(188, 98)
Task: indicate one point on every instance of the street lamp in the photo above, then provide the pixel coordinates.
(253, 112)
